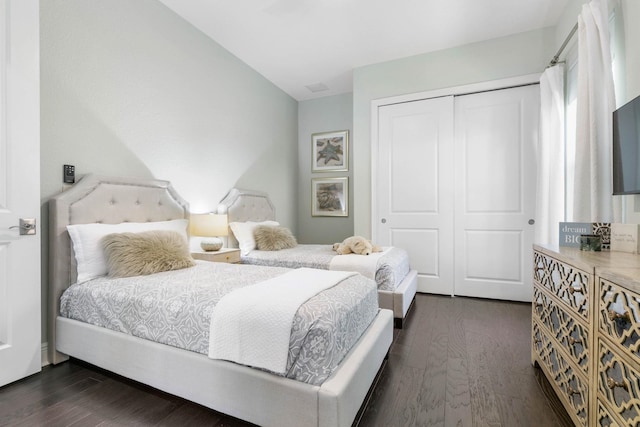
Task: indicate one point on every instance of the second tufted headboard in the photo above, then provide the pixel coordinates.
(246, 205)
(99, 199)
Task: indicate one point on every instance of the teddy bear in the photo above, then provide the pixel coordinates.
(356, 245)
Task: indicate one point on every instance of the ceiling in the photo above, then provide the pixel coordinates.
(305, 45)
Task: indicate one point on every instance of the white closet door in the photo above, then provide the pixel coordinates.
(412, 187)
(20, 293)
(495, 133)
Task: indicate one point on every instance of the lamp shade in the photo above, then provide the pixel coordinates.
(209, 225)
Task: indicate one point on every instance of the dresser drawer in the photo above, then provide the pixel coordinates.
(604, 418)
(619, 317)
(566, 282)
(570, 333)
(569, 385)
(618, 384)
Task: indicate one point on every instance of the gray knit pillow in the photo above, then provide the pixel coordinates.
(273, 238)
(148, 252)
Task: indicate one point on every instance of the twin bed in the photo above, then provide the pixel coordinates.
(390, 269)
(156, 328)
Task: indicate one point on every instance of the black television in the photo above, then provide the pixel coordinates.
(626, 148)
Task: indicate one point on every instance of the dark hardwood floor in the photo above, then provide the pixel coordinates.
(457, 362)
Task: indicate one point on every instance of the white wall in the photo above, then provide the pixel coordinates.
(322, 115)
(516, 55)
(630, 15)
(130, 88)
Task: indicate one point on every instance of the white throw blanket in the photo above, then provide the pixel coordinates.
(367, 265)
(252, 325)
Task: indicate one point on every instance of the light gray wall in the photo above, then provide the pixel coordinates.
(516, 55)
(326, 114)
(129, 88)
(567, 20)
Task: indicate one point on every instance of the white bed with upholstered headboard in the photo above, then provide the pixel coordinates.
(177, 362)
(390, 269)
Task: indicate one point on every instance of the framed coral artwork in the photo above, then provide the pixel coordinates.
(330, 196)
(330, 151)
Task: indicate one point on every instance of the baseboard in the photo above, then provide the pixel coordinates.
(44, 356)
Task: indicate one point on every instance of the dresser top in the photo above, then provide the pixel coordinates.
(588, 260)
(619, 267)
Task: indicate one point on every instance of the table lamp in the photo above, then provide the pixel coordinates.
(210, 227)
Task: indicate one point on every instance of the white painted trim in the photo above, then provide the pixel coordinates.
(455, 91)
(44, 355)
(460, 90)
(374, 170)
(4, 49)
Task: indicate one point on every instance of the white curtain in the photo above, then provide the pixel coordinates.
(550, 156)
(593, 201)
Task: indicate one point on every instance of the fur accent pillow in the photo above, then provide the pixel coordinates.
(273, 238)
(148, 252)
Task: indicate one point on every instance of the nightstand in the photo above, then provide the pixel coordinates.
(230, 255)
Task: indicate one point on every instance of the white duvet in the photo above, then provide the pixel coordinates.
(252, 325)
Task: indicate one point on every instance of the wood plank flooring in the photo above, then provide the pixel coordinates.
(457, 362)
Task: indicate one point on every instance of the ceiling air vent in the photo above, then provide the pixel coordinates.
(317, 87)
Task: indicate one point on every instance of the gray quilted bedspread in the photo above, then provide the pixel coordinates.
(392, 267)
(175, 308)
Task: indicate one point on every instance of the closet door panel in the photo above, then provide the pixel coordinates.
(495, 136)
(414, 163)
(493, 160)
(413, 187)
(481, 263)
(423, 242)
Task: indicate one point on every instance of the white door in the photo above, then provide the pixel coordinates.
(495, 135)
(414, 204)
(20, 299)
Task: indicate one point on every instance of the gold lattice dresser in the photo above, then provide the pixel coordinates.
(618, 347)
(586, 332)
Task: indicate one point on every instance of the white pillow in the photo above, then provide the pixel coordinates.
(90, 256)
(244, 234)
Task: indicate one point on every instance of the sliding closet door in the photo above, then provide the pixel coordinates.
(495, 133)
(412, 187)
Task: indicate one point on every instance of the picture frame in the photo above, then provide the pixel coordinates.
(330, 196)
(330, 151)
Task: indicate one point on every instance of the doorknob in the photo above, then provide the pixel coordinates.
(383, 220)
(532, 221)
(27, 226)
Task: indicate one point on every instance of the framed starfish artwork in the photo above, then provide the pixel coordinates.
(330, 196)
(330, 151)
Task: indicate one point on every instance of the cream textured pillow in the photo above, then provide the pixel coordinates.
(88, 250)
(148, 252)
(273, 238)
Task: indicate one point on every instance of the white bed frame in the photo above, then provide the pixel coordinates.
(249, 205)
(242, 392)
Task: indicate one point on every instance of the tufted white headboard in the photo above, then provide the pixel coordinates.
(101, 199)
(246, 205)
